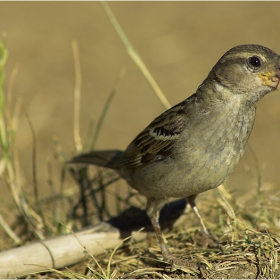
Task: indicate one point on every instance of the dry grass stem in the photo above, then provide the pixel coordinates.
(106, 107)
(77, 97)
(136, 57)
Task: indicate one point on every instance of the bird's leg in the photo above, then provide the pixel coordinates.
(191, 201)
(153, 208)
(167, 256)
(205, 240)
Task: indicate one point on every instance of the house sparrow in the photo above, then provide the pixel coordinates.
(195, 145)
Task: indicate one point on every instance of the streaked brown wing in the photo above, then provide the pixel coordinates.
(155, 142)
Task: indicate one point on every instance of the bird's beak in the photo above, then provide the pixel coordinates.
(271, 78)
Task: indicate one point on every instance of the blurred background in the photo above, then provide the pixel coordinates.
(179, 42)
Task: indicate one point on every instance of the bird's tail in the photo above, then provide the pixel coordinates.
(106, 158)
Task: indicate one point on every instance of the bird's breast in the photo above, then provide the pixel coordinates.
(208, 152)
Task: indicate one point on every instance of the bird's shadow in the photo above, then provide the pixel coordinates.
(133, 218)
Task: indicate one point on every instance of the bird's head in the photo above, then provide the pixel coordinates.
(250, 70)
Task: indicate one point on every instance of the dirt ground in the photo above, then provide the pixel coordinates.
(179, 42)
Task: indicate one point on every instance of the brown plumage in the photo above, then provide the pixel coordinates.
(195, 145)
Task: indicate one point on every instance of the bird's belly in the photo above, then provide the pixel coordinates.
(190, 172)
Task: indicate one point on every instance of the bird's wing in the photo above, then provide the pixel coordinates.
(155, 142)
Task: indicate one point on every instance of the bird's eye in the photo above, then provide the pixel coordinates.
(255, 61)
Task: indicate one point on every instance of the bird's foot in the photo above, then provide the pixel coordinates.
(204, 239)
(175, 261)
